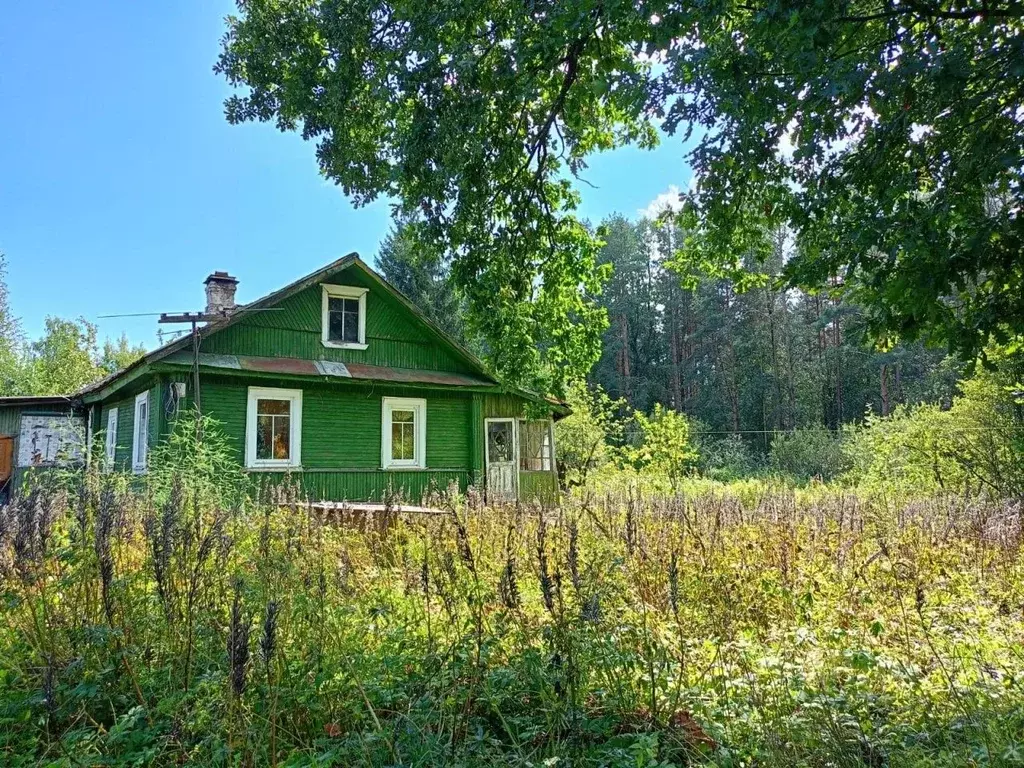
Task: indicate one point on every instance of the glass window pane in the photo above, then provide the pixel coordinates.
(403, 435)
(408, 442)
(499, 441)
(141, 431)
(336, 326)
(534, 446)
(273, 407)
(350, 331)
(343, 319)
(396, 441)
(264, 436)
(282, 437)
(403, 440)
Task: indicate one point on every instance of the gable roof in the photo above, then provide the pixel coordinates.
(480, 376)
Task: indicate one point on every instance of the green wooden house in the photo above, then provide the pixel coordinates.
(336, 380)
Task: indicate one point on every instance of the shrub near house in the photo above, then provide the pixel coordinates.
(340, 381)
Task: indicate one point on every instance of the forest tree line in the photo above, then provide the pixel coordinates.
(751, 360)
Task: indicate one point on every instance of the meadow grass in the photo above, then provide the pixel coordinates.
(189, 621)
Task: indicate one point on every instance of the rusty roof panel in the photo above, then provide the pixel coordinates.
(411, 376)
(279, 365)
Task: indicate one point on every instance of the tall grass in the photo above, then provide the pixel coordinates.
(184, 621)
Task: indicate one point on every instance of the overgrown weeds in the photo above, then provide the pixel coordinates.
(164, 624)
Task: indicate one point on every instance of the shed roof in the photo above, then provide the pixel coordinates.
(37, 400)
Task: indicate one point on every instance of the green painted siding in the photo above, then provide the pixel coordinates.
(371, 485)
(341, 427)
(341, 437)
(126, 423)
(538, 486)
(394, 337)
(10, 422)
(496, 406)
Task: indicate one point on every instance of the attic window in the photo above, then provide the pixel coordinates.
(343, 317)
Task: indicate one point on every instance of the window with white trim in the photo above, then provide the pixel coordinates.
(535, 446)
(343, 316)
(140, 438)
(110, 445)
(273, 428)
(404, 433)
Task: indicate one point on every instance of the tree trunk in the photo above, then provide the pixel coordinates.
(885, 389)
(626, 369)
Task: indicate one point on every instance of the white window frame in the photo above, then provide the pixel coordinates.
(294, 461)
(110, 440)
(419, 408)
(140, 440)
(91, 414)
(342, 292)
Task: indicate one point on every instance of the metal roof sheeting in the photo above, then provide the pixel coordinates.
(289, 366)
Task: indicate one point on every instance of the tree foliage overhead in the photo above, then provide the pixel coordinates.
(470, 114)
(903, 181)
(887, 133)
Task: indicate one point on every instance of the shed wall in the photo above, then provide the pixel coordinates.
(10, 424)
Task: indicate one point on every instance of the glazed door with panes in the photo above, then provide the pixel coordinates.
(502, 464)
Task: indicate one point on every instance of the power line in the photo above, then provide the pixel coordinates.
(160, 314)
(941, 430)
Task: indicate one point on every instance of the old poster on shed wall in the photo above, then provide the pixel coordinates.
(49, 440)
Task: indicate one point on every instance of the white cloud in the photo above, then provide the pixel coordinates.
(667, 199)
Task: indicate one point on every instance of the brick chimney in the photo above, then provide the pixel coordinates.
(220, 293)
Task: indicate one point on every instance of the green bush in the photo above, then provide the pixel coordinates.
(726, 458)
(974, 447)
(586, 439)
(808, 454)
(664, 445)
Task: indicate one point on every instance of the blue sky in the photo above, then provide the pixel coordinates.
(122, 186)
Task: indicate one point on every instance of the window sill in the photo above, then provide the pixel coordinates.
(275, 468)
(403, 468)
(343, 345)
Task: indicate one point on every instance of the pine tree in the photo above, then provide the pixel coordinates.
(422, 275)
(754, 362)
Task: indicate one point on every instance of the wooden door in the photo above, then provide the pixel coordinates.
(6, 458)
(502, 464)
